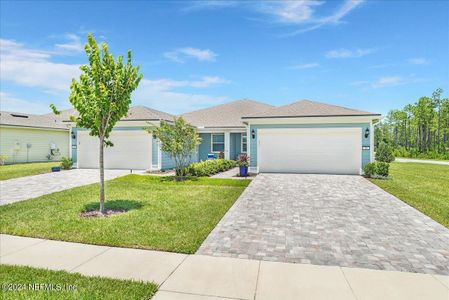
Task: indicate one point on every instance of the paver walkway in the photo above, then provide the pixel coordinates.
(232, 174)
(28, 187)
(329, 220)
(198, 277)
(423, 161)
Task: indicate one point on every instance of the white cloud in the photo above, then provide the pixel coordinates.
(388, 81)
(34, 68)
(346, 53)
(305, 66)
(345, 9)
(160, 94)
(179, 55)
(418, 61)
(73, 44)
(290, 11)
(200, 5)
(13, 104)
(303, 12)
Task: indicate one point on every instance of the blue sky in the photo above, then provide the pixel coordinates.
(371, 55)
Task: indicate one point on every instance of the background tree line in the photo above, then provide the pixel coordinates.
(418, 130)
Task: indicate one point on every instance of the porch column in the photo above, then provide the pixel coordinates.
(227, 143)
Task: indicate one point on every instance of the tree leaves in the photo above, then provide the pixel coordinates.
(179, 139)
(102, 95)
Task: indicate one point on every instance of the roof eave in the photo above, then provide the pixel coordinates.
(310, 116)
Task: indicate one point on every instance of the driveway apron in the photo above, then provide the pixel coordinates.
(329, 220)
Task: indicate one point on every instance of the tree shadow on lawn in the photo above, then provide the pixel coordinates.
(112, 207)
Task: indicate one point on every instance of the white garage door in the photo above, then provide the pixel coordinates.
(310, 150)
(131, 150)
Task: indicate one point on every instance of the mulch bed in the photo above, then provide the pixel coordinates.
(97, 214)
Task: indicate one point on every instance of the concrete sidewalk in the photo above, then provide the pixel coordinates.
(422, 161)
(195, 277)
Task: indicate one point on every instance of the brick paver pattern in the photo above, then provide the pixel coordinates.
(329, 220)
(23, 188)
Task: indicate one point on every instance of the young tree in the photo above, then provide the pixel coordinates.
(179, 139)
(102, 96)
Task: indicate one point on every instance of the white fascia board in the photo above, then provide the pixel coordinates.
(313, 120)
(34, 127)
(220, 130)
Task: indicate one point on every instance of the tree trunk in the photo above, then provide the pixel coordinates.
(102, 209)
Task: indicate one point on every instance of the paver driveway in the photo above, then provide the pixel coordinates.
(329, 220)
(28, 187)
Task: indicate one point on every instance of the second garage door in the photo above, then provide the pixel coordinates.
(131, 150)
(310, 150)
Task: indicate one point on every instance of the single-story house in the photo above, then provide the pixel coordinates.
(302, 137)
(32, 138)
(134, 148)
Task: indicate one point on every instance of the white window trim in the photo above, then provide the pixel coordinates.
(212, 143)
(241, 142)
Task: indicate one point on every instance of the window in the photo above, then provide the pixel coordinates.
(218, 142)
(244, 143)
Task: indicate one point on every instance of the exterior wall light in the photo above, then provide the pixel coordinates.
(367, 132)
(73, 136)
(253, 134)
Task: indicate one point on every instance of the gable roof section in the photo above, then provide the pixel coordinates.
(143, 113)
(227, 115)
(31, 121)
(307, 108)
(135, 113)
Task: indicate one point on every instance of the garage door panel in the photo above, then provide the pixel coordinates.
(131, 150)
(310, 150)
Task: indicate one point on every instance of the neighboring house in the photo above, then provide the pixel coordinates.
(134, 147)
(32, 138)
(303, 137)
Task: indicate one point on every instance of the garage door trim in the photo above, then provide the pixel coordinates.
(309, 130)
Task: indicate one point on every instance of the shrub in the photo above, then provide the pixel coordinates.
(209, 167)
(66, 163)
(377, 169)
(382, 169)
(384, 153)
(370, 169)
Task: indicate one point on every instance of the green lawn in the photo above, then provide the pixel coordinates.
(21, 170)
(163, 214)
(70, 285)
(423, 186)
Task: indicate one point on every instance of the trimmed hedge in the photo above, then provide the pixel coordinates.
(209, 167)
(377, 169)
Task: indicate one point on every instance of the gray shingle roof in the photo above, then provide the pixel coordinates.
(225, 115)
(307, 108)
(29, 120)
(145, 113)
(141, 113)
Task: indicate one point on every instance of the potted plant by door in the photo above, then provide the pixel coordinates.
(243, 163)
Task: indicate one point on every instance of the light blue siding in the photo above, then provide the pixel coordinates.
(154, 153)
(167, 162)
(235, 145)
(73, 137)
(365, 141)
(205, 146)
